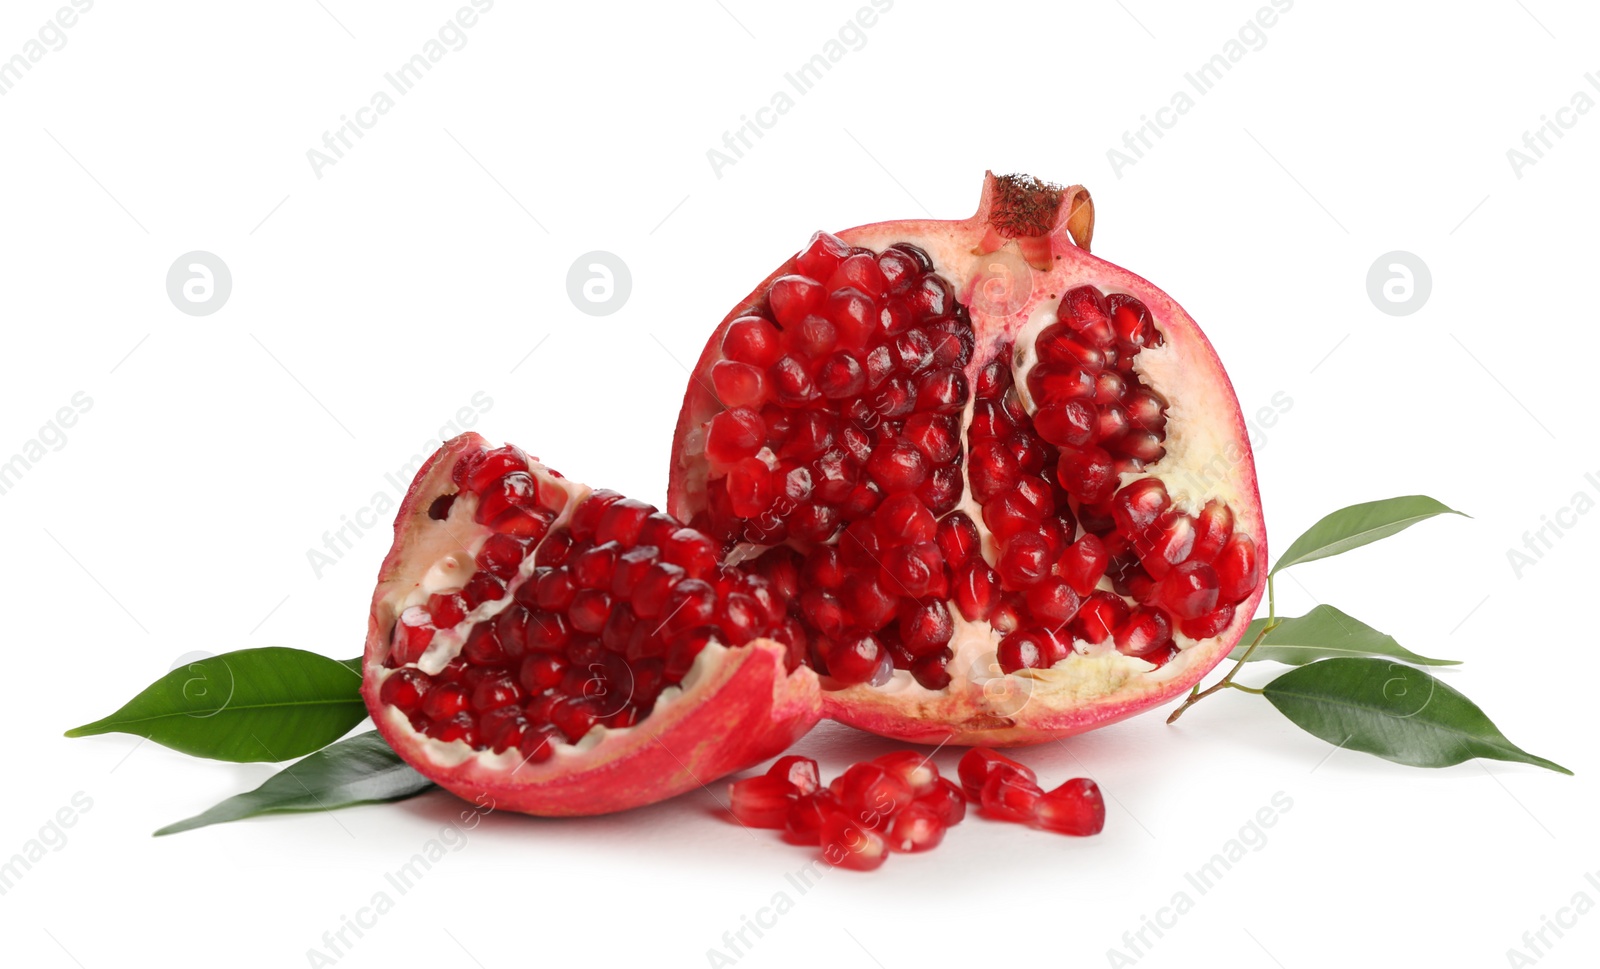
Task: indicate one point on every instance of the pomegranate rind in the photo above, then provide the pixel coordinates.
(1087, 690)
(737, 707)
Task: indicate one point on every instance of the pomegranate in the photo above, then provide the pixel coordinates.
(1003, 485)
(565, 651)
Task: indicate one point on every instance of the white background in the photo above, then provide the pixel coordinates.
(371, 303)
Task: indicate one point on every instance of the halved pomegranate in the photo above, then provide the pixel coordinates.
(565, 651)
(1004, 486)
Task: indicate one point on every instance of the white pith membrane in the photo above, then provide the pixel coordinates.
(448, 572)
(1206, 457)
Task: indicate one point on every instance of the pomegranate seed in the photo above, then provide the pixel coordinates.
(799, 772)
(738, 384)
(860, 271)
(761, 802)
(750, 487)
(405, 689)
(854, 313)
(1189, 591)
(992, 471)
(821, 255)
(854, 660)
(1085, 311)
(734, 434)
(516, 492)
(501, 555)
(1075, 808)
(914, 769)
(1238, 573)
(1086, 473)
(804, 822)
(481, 588)
(1208, 625)
(977, 590)
(930, 671)
(412, 634)
(791, 382)
(574, 717)
(1053, 602)
(496, 692)
(1136, 507)
(460, 726)
(917, 828)
(1057, 346)
(1070, 422)
(1144, 631)
(691, 551)
(594, 568)
(915, 570)
(897, 466)
(1009, 796)
(1024, 561)
(1099, 618)
(903, 519)
(942, 391)
(840, 376)
(900, 269)
(1023, 650)
(540, 673)
(847, 844)
(937, 436)
(1212, 531)
(925, 627)
(957, 538)
(978, 763)
(489, 467)
(444, 701)
(946, 802)
(752, 340)
(1053, 384)
(794, 297)
(1083, 563)
(483, 647)
(871, 793)
(1140, 445)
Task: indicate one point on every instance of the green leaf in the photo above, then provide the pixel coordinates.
(360, 770)
(1396, 711)
(1360, 525)
(265, 704)
(1324, 633)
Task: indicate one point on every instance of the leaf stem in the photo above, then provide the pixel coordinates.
(1198, 694)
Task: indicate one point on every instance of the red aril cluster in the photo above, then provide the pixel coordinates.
(1008, 791)
(563, 630)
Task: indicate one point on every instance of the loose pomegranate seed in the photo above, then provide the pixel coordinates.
(762, 802)
(914, 769)
(1009, 796)
(804, 821)
(799, 772)
(917, 828)
(978, 763)
(1075, 808)
(846, 843)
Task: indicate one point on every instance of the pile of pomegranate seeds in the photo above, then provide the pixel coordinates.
(844, 392)
(612, 610)
(899, 803)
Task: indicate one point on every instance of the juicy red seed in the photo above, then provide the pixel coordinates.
(483, 646)
(957, 538)
(992, 469)
(734, 434)
(793, 297)
(1189, 591)
(822, 255)
(854, 660)
(1007, 796)
(586, 517)
(481, 588)
(860, 271)
(1057, 385)
(897, 466)
(1075, 808)
(806, 814)
(515, 491)
(589, 611)
(1212, 530)
(574, 717)
(1208, 625)
(405, 689)
(1084, 310)
(1238, 572)
(847, 843)
(501, 555)
(1025, 650)
(813, 338)
(942, 391)
(752, 340)
(937, 436)
(1086, 473)
(946, 802)
(1083, 563)
(1070, 422)
(554, 590)
(1053, 602)
(925, 627)
(903, 519)
(915, 570)
(800, 772)
(444, 701)
(931, 672)
(840, 376)
(1100, 616)
(492, 466)
(459, 726)
(540, 673)
(854, 313)
(593, 568)
(1057, 346)
(1024, 561)
(977, 590)
(496, 692)
(1144, 631)
(1140, 445)
(791, 381)
(692, 551)
(978, 763)
(749, 486)
(761, 802)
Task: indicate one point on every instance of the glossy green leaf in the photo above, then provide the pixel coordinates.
(1325, 633)
(1360, 525)
(1393, 710)
(360, 770)
(265, 704)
